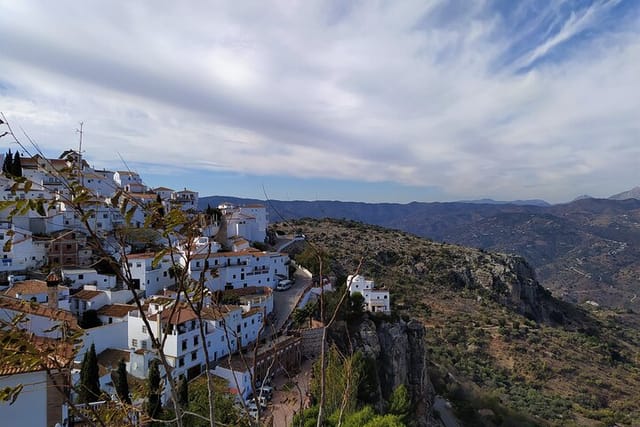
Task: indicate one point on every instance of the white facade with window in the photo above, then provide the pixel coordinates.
(152, 279)
(233, 270)
(375, 300)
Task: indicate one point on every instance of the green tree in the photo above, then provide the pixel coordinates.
(89, 377)
(161, 211)
(400, 403)
(121, 383)
(16, 165)
(342, 376)
(6, 164)
(154, 407)
(226, 411)
(183, 393)
(356, 305)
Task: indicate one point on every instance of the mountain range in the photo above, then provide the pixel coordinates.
(585, 250)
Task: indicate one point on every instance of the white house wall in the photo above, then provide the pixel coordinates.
(30, 408)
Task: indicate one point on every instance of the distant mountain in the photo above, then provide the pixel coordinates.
(531, 202)
(582, 196)
(588, 249)
(634, 193)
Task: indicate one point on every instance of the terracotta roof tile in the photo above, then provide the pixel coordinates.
(51, 354)
(115, 310)
(38, 310)
(86, 295)
(28, 287)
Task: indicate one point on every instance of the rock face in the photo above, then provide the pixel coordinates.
(398, 349)
(508, 279)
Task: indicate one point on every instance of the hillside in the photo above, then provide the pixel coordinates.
(586, 250)
(499, 345)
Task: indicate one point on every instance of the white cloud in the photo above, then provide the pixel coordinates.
(401, 91)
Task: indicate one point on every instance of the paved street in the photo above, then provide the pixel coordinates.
(287, 397)
(446, 414)
(284, 301)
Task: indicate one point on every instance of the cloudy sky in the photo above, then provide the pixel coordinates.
(347, 100)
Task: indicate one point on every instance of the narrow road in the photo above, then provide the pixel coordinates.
(284, 301)
(443, 407)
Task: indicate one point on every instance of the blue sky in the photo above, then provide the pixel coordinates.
(367, 101)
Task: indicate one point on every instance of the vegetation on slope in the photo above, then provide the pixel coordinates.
(501, 357)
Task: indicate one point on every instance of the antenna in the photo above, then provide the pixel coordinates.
(81, 132)
(125, 163)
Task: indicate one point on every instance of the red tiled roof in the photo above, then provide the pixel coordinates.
(38, 310)
(145, 255)
(47, 353)
(28, 287)
(180, 315)
(86, 295)
(115, 310)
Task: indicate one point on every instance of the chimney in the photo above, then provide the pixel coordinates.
(53, 279)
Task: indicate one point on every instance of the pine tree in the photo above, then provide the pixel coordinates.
(16, 166)
(153, 404)
(6, 165)
(89, 377)
(122, 385)
(183, 393)
(161, 211)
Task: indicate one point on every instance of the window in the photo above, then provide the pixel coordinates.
(134, 342)
(80, 276)
(144, 329)
(181, 361)
(184, 344)
(194, 355)
(144, 344)
(195, 341)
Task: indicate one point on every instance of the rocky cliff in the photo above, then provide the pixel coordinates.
(397, 354)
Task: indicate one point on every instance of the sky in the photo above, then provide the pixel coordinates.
(375, 101)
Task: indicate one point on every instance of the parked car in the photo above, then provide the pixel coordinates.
(283, 285)
(252, 403)
(266, 392)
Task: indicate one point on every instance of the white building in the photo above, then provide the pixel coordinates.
(248, 221)
(40, 402)
(233, 270)
(375, 300)
(186, 199)
(39, 319)
(37, 291)
(23, 252)
(152, 279)
(124, 178)
(77, 278)
(227, 328)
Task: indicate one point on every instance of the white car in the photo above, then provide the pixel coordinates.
(283, 285)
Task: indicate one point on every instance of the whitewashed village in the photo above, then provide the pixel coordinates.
(55, 280)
